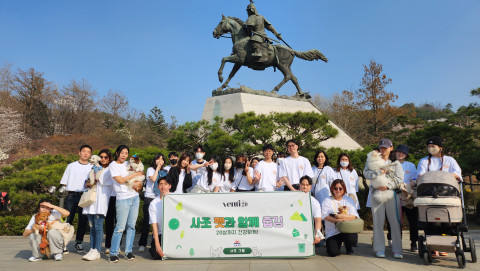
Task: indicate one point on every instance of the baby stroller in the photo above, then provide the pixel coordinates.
(442, 214)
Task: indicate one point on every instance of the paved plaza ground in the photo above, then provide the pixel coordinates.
(15, 251)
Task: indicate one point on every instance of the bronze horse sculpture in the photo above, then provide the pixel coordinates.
(280, 56)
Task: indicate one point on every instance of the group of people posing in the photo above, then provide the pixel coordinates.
(332, 187)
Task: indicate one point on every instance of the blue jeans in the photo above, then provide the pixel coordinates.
(96, 231)
(127, 213)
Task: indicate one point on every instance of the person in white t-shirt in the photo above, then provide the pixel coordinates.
(154, 172)
(127, 203)
(254, 162)
(438, 161)
(323, 176)
(306, 186)
(212, 179)
(227, 173)
(293, 167)
(345, 171)
(156, 218)
(54, 237)
(199, 165)
(97, 210)
(74, 178)
(243, 178)
(266, 171)
(333, 211)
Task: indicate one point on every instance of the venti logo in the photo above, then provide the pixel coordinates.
(238, 203)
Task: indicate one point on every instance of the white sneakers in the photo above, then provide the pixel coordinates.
(92, 255)
(397, 256)
(33, 259)
(141, 249)
(58, 257)
(380, 254)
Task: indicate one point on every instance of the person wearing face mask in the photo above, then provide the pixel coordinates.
(348, 174)
(227, 172)
(266, 171)
(199, 165)
(243, 175)
(173, 158)
(212, 179)
(391, 207)
(437, 161)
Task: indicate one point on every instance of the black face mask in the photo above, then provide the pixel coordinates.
(173, 161)
(240, 165)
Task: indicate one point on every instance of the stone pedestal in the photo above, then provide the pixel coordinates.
(236, 101)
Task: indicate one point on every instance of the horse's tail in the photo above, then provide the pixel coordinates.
(312, 54)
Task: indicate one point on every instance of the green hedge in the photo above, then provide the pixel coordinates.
(13, 225)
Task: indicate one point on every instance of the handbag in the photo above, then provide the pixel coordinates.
(351, 226)
(88, 197)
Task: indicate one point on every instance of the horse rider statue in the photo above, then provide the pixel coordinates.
(255, 26)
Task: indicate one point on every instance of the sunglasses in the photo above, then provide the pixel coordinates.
(338, 188)
(104, 157)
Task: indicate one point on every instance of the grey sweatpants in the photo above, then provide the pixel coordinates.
(55, 239)
(392, 208)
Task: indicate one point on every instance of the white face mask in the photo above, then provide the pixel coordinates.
(199, 155)
(214, 166)
(227, 166)
(344, 164)
(433, 150)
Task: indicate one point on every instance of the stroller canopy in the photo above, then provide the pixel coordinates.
(437, 183)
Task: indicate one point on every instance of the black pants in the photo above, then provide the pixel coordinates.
(153, 249)
(145, 223)
(296, 186)
(110, 221)
(71, 205)
(335, 242)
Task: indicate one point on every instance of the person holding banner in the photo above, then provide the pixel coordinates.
(338, 208)
(306, 186)
(155, 211)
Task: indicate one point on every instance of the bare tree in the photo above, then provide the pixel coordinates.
(34, 93)
(115, 103)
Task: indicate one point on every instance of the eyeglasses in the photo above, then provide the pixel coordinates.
(104, 157)
(338, 188)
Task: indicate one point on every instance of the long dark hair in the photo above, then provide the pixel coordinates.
(108, 153)
(316, 155)
(350, 166)
(183, 157)
(243, 157)
(210, 171)
(119, 150)
(230, 171)
(154, 162)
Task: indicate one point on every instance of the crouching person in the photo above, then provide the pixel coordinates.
(39, 223)
(338, 208)
(156, 218)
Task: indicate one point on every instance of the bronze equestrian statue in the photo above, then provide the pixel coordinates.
(252, 48)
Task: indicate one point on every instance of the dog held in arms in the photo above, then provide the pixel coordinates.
(41, 223)
(375, 162)
(135, 165)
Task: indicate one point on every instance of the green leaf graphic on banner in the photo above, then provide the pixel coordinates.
(179, 206)
(192, 252)
(179, 246)
(173, 224)
(295, 232)
(300, 202)
(182, 233)
(298, 217)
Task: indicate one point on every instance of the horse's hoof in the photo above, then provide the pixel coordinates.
(220, 78)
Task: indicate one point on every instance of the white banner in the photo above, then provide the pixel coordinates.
(238, 225)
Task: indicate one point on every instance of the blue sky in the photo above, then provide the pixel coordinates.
(162, 53)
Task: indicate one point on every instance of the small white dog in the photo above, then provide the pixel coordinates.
(96, 169)
(135, 165)
(375, 162)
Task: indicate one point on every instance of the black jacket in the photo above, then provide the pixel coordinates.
(172, 177)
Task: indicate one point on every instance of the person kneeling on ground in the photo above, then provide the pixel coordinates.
(338, 208)
(54, 237)
(155, 211)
